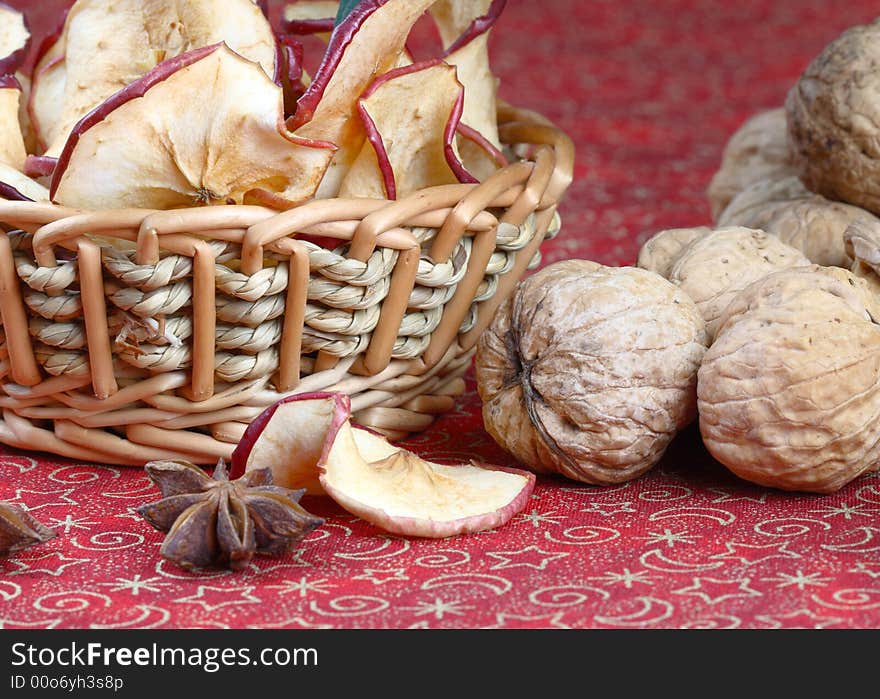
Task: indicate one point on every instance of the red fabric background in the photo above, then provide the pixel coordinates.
(650, 91)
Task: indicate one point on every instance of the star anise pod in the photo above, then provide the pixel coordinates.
(19, 530)
(214, 522)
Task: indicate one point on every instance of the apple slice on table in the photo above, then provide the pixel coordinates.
(15, 39)
(107, 44)
(410, 116)
(173, 139)
(309, 442)
(288, 438)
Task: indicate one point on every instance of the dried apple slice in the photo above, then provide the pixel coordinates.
(46, 98)
(464, 28)
(12, 149)
(309, 442)
(288, 438)
(404, 494)
(172, 139)
(15, 38)
(367, 43)
(399, 157)
(310, 17)
(108, 44)
(24, 118)
(17, 186)
(293, 76)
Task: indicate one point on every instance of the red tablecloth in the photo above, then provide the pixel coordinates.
(649, 91)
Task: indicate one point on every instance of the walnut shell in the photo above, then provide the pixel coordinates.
(788, 393)
(589, 371)
(661, 251)
(816, 227)
(755, 205)
(809, 222)
(862, 242)
(714, 268)
(833, 114)
(757, 150)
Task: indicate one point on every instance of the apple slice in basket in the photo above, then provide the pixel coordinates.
(308, 441)
(107, 44)
(410, 116)
(310, 17)
(15, 38)
(293, 76)
(14, 184)
(46, 97)
(24, 118)
(173, 139)
(17, 186)
(367, 43)
(12, 148)
(464, 29)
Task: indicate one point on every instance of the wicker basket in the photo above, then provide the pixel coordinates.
(133, 335)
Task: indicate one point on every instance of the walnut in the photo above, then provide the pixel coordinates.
(755, 205)
(863, 246)
(789, 393)
(589, 371)
(833, 114)
(809, 222)
(757, 150)
(816, 227)
(661, 251)
(714, 268)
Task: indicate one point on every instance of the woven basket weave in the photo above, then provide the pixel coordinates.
(133, 335)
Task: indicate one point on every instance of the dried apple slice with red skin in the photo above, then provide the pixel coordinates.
(310, 17)
(404, 494)
(397, 158)
(170, 139)
(292, 445)
(108, 44)
(48, 79)
(15, 39)
(292, 73)
(17, 186)
(12, 150)
(465, 33)
(24, 118)
(367, 43)
(309, 442)
(40, 166)
(466, 21)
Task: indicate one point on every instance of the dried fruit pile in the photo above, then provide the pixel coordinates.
(170, 104)
(766, 325)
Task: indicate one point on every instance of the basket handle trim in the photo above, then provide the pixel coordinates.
(94, 310)
(23, 363)
(403, 279)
